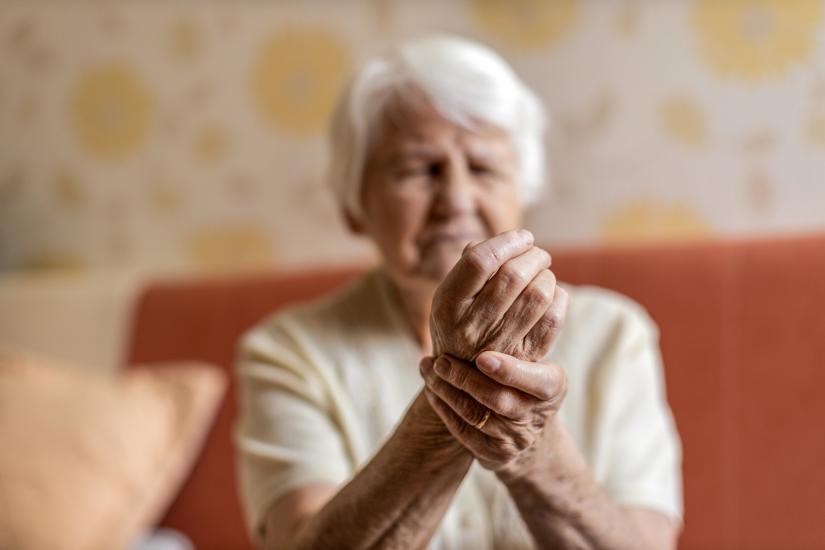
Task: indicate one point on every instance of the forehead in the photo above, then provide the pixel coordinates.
(413, 121)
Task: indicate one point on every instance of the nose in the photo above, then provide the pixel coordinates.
(455, 193)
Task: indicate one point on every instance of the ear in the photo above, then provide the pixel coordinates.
(354, 225)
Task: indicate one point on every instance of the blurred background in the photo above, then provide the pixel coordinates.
(152, 139)
(146, 137)
(192, 134)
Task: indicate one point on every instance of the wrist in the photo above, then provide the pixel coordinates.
(536, 463)
(427, 437)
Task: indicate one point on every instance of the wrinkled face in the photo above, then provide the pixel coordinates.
(430, 187)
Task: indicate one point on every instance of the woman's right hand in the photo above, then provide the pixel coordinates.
(500, 296)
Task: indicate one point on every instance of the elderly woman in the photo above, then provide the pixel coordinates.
(511, 432)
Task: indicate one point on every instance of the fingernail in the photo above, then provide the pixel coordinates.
(489, 362)
(441, 364)
(526, 235)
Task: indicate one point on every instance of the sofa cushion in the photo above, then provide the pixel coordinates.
(90, 461)
(743, 337)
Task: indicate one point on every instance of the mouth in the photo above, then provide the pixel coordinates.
(453, 240)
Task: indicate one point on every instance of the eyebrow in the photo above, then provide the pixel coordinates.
(407, 152)
(420, 148)
(424, 149)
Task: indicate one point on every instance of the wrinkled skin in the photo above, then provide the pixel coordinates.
(500, 296)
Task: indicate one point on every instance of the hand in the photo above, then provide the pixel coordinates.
(499, 296)
(522, 399)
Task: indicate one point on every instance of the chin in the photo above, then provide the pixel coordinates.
(439, 261)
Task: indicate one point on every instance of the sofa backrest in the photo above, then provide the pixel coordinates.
(743, 340)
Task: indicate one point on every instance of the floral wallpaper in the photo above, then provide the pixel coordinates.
(182, 134)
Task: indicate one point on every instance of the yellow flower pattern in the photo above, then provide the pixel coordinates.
(68, 189)
(211, 143)
(642, 221)
(240, 246)
(164, 197)
(297, 76)
(53, 261)
(682, 119)
(186, 41)
(526, 24)
(111, 110)
(227, 122)
(753, 39)
(816, 129)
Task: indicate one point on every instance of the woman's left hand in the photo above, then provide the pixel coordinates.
(498, 411)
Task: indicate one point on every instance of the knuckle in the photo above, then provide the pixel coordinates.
(512, 276)
(503, 403)
(538, 295)
(481, 260)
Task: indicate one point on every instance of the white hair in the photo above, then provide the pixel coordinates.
(465, 82)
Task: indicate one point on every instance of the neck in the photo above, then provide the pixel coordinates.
(416, 303)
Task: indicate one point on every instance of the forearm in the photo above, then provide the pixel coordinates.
(398, 499)
(564, 507)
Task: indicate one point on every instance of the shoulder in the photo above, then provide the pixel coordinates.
(602, 310)
(601, 323)
(317, 328)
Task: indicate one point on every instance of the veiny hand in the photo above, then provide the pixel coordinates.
(522, 399)
(499, 296)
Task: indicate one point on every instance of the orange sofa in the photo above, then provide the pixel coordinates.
(743, 338)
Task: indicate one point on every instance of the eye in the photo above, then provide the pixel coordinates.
(420, 170)
(435, 169)
(482, 169)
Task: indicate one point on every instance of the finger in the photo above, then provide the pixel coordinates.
(459, 401)
(480, 262)
(467, 435)
(509, 282)
(531, 305)
(469, 245)
(503, 400)
(548, 327)
(544, 381)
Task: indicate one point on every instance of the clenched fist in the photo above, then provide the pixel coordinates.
(500, 296)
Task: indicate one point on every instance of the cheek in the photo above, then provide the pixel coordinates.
(394, 224)
(501, 208)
